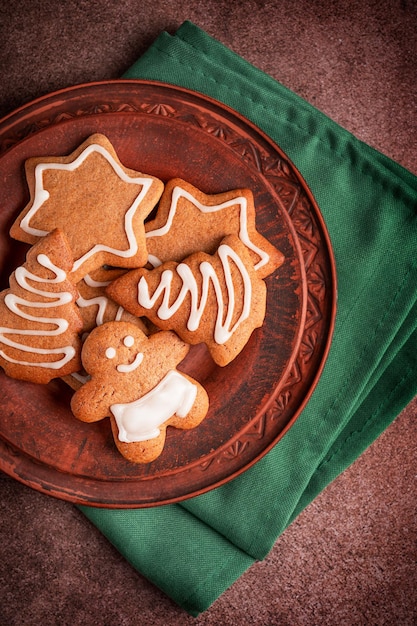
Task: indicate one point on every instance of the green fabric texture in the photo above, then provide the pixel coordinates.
(196, 549)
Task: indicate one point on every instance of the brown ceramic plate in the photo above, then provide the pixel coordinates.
(169, 132)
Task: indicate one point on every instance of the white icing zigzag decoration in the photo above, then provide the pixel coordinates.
(225, 310)
(14, 304)
(39, 319)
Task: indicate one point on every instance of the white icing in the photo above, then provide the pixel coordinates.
(119, 314)
(95, 283)
(141, 419)
(110, 353)
(178, 193)
(223, 329)
(102, 302)
(126, 368)
(41, 195)
(153, 260)
(81, 378)
(15, 303)
(128, 341)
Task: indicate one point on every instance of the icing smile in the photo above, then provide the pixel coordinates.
(130, 367)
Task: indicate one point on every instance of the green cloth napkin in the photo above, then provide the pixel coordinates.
(195, 550)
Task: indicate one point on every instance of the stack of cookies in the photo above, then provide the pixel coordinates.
(123, 275)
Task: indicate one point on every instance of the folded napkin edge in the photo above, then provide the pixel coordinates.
(320, 126)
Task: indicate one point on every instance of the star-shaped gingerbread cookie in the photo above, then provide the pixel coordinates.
(95, 200)
(135, 381)
(189, 221)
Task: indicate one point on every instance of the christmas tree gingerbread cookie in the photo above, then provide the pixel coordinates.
(135, 381)
(39, 319)
(189, 221)
(95, 200)
(214, 299)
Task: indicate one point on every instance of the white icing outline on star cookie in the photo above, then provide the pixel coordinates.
(178, 193)
(41, 195)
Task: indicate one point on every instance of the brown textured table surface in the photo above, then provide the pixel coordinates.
(350, 557)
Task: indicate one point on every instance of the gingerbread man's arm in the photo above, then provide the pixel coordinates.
(91, 402)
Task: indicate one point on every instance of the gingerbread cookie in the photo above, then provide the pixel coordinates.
(96, 201)
(135, 381)
(216, 299)
(189, 221)
(39, 319)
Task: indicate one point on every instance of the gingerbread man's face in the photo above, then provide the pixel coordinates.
(116, 352)
(125, 367)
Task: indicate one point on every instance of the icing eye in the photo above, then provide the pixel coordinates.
(110, 353)
(129, 341)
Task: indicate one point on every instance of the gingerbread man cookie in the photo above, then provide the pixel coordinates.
(135, 381)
